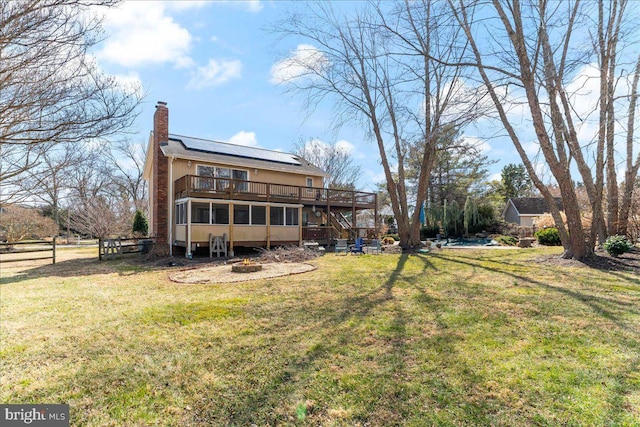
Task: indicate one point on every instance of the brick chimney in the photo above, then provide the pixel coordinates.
(160, 196)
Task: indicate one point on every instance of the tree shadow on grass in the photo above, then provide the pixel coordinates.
(607, 307)
(337, 328)
(78, 267)
(333, 328)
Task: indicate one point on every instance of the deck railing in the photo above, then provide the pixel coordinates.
(237, 189)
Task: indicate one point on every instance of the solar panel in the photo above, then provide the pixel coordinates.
(217, 147)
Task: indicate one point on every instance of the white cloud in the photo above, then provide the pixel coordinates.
(497, 176)
(253, 6)
(215, 73)
(129, 82)
(244, 138)
(180, 5)
(584, 90)
(479, 143)
(532, 148)
(346, 146)
(306, 60)
(140, 33)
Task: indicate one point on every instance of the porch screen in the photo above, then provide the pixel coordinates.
(199, 213)
(181, 213)
(241, 214)
(258, 215)
(219, 214)
(292, 216)
(276, 216)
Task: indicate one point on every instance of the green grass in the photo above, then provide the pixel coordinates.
(451, 338)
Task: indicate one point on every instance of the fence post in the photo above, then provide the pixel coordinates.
(99, 248)
(54, 249)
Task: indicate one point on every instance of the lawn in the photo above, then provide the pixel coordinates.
(452, 338)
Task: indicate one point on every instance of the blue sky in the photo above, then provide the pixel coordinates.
(213, 63)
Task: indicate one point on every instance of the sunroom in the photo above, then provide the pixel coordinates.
(247, 224)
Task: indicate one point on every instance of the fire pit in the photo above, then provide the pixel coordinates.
(246, 266)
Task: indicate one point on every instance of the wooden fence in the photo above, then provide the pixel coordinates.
(111, 248)
(36, 246)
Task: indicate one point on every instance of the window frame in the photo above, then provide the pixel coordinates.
(181, 213)
(251, 214)
(235, 217)
(211, 209)
(221, 183)
(194, 210)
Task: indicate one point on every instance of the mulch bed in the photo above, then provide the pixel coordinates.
(629, 262)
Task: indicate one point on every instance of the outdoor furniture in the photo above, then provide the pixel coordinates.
(341, 246)
(358, 247)
(525, 242)
(217, 244)
(374, 247)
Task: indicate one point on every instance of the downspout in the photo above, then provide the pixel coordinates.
(188, 253)
(171, 207)
(300, 225)
(231, 234)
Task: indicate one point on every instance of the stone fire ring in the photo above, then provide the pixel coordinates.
(246, 268)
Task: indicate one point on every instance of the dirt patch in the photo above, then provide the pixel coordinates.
(600, 261)
(223, 273)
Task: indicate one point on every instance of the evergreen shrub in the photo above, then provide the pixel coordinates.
(548, 236)
(617, 245)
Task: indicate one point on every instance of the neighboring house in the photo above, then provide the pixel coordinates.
(525, 210)
(255, 197)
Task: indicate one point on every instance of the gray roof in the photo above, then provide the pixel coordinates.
(190, 148)
(534, 205)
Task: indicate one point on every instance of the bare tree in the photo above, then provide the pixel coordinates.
(632, 166)
(101, 217)
(377, 66)
(535, 51)
(127, 167)
(48, 183)
(332, 158)
(51, 90)
(19, 223)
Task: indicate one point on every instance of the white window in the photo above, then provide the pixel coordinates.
(242, 176)
(309, 182)
(207, 173)
(181, 213)
(218, 178)
(222, 184)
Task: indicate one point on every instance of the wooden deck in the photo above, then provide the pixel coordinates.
(235, 189)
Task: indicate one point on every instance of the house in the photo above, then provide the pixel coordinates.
(253, 197)
(525, 210)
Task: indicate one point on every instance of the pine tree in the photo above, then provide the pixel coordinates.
(140, 224)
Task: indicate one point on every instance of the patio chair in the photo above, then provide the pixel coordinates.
(358, 247)
(374, 247)
(341, 246)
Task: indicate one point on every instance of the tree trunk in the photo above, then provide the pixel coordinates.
(632, 168)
